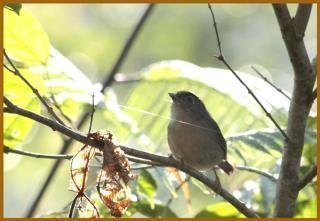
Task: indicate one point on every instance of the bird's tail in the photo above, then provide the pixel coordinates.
(226, 167)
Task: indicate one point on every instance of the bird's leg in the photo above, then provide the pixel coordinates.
(181, 161)
(217, 184)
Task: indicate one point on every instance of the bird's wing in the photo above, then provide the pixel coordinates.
(219, 137)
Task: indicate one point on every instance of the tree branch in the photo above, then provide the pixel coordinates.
(301, 18)
(288, 181)
(221, 58)
(108, 80)
(142, 161)
(312, 173)
(8, 150)
(127, 47)
(12, 108)
(168, 161)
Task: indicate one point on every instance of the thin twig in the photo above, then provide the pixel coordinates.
(91, 116)
(73, 204)
(55, 103)
(82, 119)
(270, 83)
(312, 173)
(222, 59)
(177, 189)
(168, 161)
(215, 28)
(16, 72)
(85, 171)
(36, 155)
(260, 172)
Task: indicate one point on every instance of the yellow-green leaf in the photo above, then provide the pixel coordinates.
(147, 185)
(24, 38)
(221, 209)
(16, 127)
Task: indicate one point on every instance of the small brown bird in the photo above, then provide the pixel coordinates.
(193, 136)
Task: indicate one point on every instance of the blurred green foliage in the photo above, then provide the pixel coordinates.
(137, 112)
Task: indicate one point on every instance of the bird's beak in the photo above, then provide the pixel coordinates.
(172, 95)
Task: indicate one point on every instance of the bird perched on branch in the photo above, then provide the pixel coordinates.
(193, 136)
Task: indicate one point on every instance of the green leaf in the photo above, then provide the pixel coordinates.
(267, 140)
(16, 7)
(27, 43)
(70, 87)
(16, 128)
(147, 186)
(221, 209)
(159, 211)
(307, 202)
(254, 143)
(24, 38)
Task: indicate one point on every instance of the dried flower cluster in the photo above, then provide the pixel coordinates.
(112, 179)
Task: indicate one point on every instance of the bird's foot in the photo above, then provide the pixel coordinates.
(180, 160)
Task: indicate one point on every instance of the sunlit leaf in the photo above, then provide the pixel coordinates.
(307, 202)
(158, 211)
(221, 209)
(213, 77)
(24, 38)
(69, 86)
(264, 140)
(148, 186)
(17, 128)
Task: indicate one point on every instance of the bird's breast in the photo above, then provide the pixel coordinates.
(193, 144)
